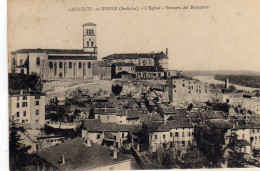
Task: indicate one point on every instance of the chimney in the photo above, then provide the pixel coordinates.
(88, 143)
(227, 84)
(114, 154)
(21, 92)
(166, 52)
(62, 159)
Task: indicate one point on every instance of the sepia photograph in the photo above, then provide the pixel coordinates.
(133, 85)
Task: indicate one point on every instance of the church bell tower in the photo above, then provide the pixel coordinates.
(89, 37)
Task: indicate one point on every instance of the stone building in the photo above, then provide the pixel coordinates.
(53, 64)
(27, 107)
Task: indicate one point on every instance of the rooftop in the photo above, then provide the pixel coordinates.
(95, 125)
(52, 51)
(160, 55)
(149, 68)
(89, 24)
(78, 156)
(164, 127)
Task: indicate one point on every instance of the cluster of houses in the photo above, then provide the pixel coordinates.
(145, 116)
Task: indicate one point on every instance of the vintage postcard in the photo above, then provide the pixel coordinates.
(133, 85)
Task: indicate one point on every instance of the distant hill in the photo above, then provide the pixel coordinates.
(219, 72)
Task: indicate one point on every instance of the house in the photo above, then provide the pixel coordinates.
(27, 107)
(49, 141)
(110, 134)
(151, 72)
(102, 71)
(170, 134)
(59, 64)
(122, 69)
(140, 59)
(77, 154)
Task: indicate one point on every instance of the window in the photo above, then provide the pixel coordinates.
(176, 134)
(87, 31)
(37, 103)
(163, 136)
(13, 61)
(21, 62)
(87, 43)
(18, 99)
(89, 65)
(23, 121)
(37, 112)
(37, 121)
(51, 65)
(79, 64)
(170, 134)
(38, 61)
(183, 85)
(243, 136)
(119, 68)
(92, 44)
(114, 137)
(60, 64)
(24, 113)
(24, 97)
(183, 135)
(17, 114)
(107, 117)
(98, 137)
(17, 105)
(70, 64)
(123, 135)
(183, 143)
(154, 74)
(24, 104)
(155, 137)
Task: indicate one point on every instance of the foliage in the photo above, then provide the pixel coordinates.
(18, 155)
(117, 89)
(235, 157)
(244, 80)
(193, 159)
(210, 140)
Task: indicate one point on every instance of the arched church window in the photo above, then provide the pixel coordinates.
(87, 31)
(87, 43)
(92, 31)
(89, 65)
(38, 61)
(92, 44)
(70, 64)
(51, 65)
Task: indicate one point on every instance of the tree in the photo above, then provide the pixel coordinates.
(235, 157)
(117, 89)
(210, 140)
(18, 155)
(193, 159)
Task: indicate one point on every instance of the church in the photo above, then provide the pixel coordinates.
(59, 64)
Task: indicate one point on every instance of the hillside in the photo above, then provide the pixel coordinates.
(219, 72)
(243, 80)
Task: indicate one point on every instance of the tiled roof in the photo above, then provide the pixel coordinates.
(149, 68)
(161, 127)
(124, 64)
(103, 105)
(94, 125)
(26, 92)
(108, 111)
(89, 24)
(160, 55)
(78, 156)
(53, 51)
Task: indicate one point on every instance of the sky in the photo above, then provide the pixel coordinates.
(226, 36)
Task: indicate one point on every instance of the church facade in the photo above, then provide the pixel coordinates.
(56, 64)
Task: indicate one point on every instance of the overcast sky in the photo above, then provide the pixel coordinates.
(225, 36)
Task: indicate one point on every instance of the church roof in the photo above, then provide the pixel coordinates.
(89, 24)
(160, 55)
(53, 51)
